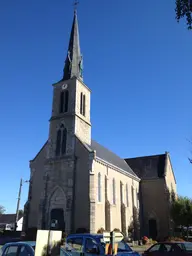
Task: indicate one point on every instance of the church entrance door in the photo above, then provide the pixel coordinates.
(57, 219)
(152, 229)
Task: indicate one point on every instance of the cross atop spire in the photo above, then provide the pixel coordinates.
(75, 5)
(74, 60)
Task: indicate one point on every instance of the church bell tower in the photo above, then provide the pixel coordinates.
(71, 102)
(70, 120)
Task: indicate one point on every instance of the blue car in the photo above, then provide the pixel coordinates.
(76, 245)
(91, 245)
(22, 249)
(18, 249)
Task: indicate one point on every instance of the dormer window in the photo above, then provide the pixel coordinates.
(64, 99)
(82, 104)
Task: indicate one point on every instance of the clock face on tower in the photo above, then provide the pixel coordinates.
(64, 86)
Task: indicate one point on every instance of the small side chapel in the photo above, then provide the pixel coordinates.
(76, 183)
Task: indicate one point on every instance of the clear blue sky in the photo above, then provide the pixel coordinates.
(137, 62)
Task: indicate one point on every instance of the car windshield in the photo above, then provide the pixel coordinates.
(188, 246)
(122, 246)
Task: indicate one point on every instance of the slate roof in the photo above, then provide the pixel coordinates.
(104, 154)
(148, 167)
(110, 157)
(7, 218)
(73, 59)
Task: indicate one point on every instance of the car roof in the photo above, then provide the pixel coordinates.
(31, 243)
(86, 234)
(173, 242)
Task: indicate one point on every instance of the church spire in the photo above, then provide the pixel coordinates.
(74, 61)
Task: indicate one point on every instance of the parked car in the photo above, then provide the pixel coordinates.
(89, 245)
(22, 249)
(18, 249)
(76, 245)
(169, 248)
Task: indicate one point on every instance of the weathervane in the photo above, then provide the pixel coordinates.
(75, 5)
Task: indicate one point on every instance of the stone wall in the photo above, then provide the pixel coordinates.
(82, 123)
(109, 173)
(37, 184)
(81, 181)
(154, 206)
(60, 174)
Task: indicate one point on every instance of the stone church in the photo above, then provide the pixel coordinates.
(78, 184)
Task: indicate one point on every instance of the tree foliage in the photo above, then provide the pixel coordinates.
(21, 213)
(2, 209)
(184, 10)
(136, 224)
(181, 211)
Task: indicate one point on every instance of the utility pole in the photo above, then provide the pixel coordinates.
(18, 203)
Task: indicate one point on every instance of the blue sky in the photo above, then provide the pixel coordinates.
(137, 62)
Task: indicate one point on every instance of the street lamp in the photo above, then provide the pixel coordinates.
(18, 201)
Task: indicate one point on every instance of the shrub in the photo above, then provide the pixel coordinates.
(64, 236)
(116, 230)
(174, 239)
(145, 240)
(151, 241)
(100, 231)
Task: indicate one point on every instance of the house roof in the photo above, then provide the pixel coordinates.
(45, 144)
(104, 154)
(110, 157)
(7, 218)
(148, 167)
(74, 57)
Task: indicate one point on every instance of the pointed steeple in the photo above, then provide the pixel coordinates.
(74, 61)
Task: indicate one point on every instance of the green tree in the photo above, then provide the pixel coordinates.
(181, 212)
(184, 10)
(21, 213)
(2, 209)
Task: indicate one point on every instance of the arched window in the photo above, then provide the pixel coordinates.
(99, 187)
(121, 192)
(58, 143)
(132, 194)
(61, 141)
(61, 102)
(84, 104)
(127, 195)
(64, 141)
(114, 191)
(64, 100)
(81, 103)
(137, 198)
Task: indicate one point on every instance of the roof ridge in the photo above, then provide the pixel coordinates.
(145, 156)
(112, 158)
